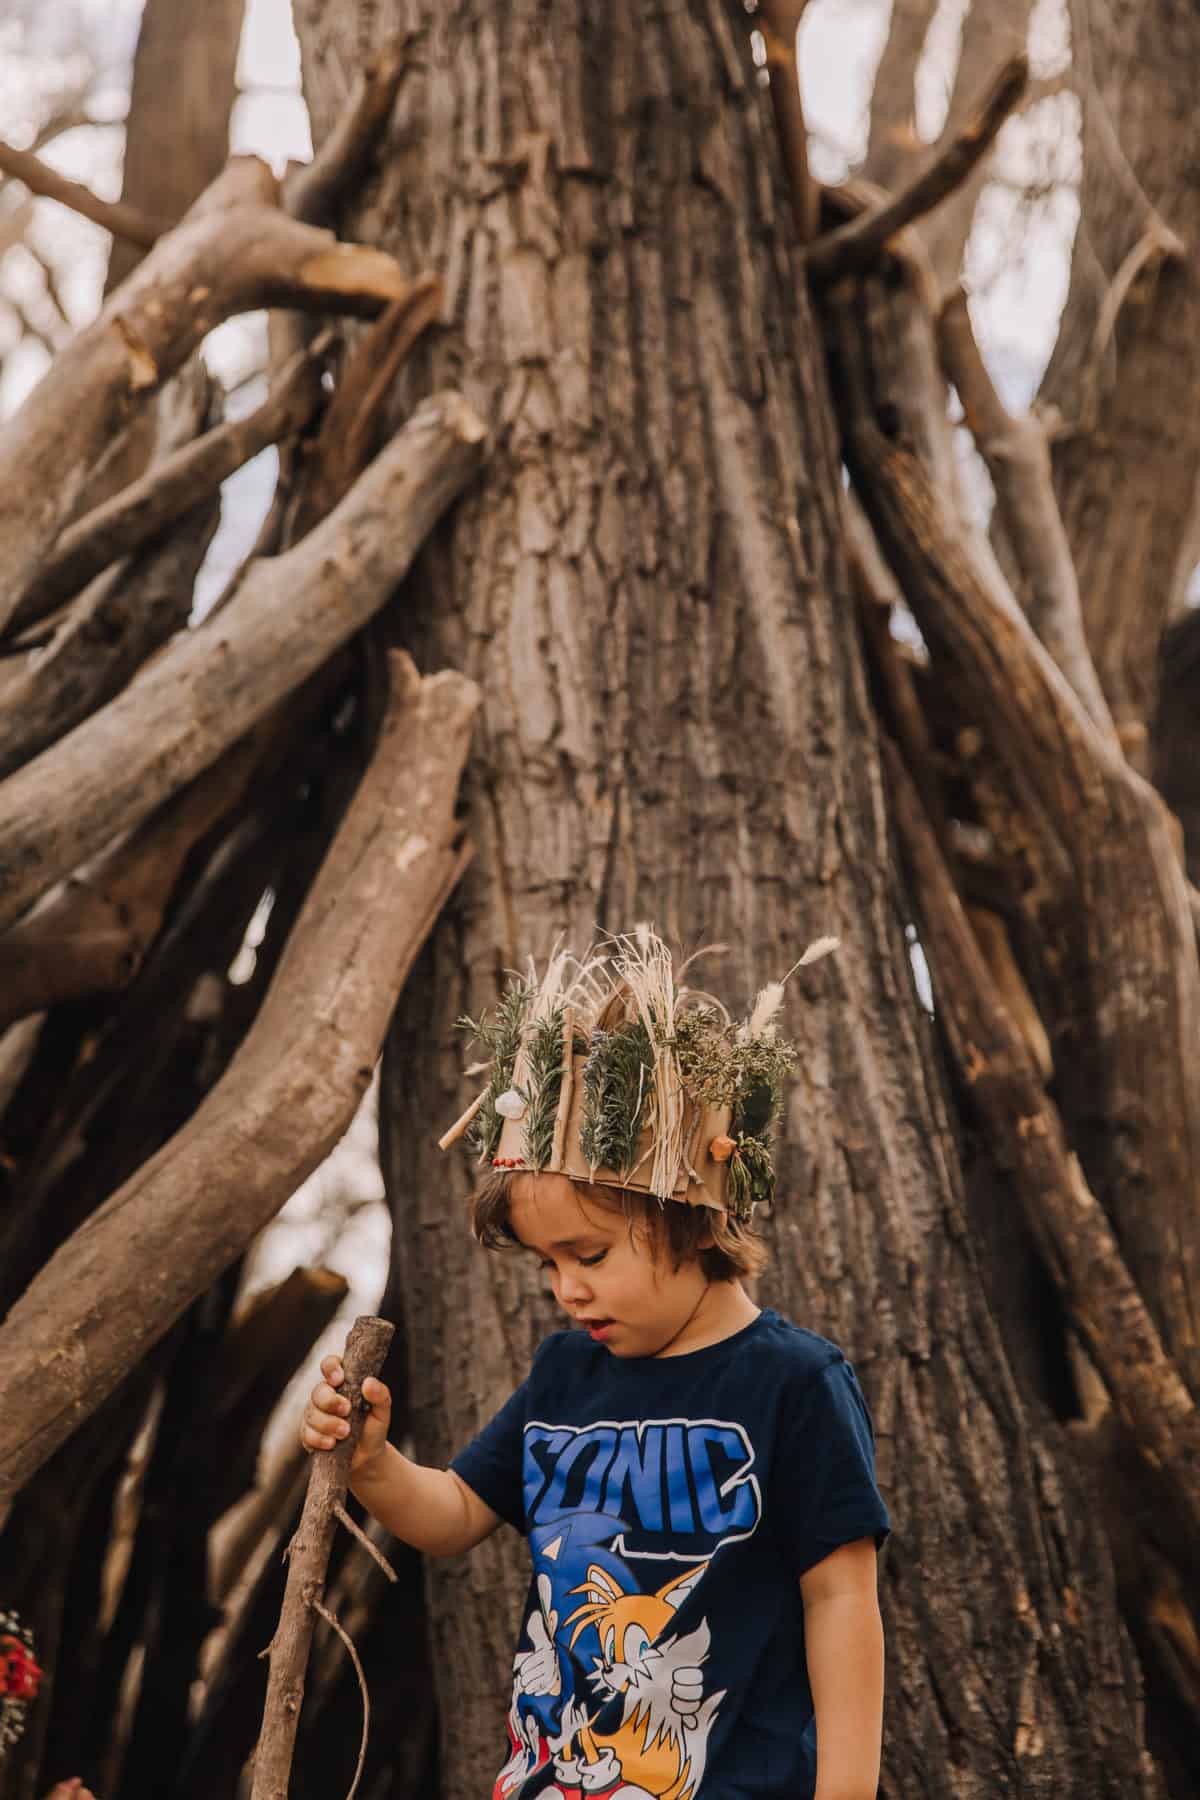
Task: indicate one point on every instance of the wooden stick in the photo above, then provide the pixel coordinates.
(459, 1127)
(308, 1557)
(172, 488)
(89, 1316)
(114, 215)
(856, 245)
(180, 713)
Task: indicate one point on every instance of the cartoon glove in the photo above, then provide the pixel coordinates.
(601, 1773)
(687, 1691)
(537, 1670)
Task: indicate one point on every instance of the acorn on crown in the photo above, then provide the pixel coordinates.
(607, 1069)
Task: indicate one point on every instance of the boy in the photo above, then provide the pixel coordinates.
(694, 1474)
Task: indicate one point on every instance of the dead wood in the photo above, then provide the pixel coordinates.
(234, 250)
(308, 1556)
(353, 421)
(115, 216)
(779, 21)
(125, 616)
(93, 933)
(854, 246)
(212, 685)
(1063, 1214)
(184, 88)
(1017, 453)
(312, 192)
(173, 487)
(238, 1538)
(1123, 912)
(287, 1096)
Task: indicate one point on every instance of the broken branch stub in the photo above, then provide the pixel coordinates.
(308, 1558)
(209, 686)
(233, 252)
(122, 1279)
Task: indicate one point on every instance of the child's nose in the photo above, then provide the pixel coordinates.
(572, 1287)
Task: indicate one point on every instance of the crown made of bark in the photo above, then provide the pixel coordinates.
(608, 1069)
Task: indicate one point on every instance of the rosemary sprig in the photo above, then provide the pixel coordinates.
(616, 1086)
(543, 1085)
(499, 1033)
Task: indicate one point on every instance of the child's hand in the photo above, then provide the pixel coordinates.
(326, 1417)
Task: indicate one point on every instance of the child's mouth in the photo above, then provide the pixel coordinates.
(598, 1329)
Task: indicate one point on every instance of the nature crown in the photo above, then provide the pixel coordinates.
(608, 1070)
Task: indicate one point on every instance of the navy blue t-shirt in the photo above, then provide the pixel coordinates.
(671, 1506)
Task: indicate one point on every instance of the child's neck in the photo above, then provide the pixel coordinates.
(723, 1309)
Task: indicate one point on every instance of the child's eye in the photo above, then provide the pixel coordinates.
(589, 1262)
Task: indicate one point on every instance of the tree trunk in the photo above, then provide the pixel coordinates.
(652, 593)
(184, 87)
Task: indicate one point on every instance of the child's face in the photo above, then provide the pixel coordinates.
(602, 1268)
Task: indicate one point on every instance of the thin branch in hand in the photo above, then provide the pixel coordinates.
(857, 244)
(356, 1531)
(114, 215)
(362, 1688)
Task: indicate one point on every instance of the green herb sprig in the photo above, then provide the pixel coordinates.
(617, 1082)
(498, 1033)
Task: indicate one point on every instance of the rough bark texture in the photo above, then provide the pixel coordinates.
(652, 593)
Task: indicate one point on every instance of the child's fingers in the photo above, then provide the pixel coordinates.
(332, 1370)
(325, 1400)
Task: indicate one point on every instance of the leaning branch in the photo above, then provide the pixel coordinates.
(1063, 1215)
(234, 251)
(211, 685)
(1018, 459)
(120, 1281)
(857, 244)
(171, 488)
(92, 934)
(312, 192)
(114, 215)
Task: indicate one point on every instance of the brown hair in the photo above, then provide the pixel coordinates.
(671, 1225)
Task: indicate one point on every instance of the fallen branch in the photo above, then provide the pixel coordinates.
(118, 1283)
(171, 488)
(115, 627)
(312, 192)
(211, 685)
(1063, 1215)
(114, 215)
(860, 242)
(234, 251)
(308, 1558)
(93, 933)
(352, 422)
(1123, 909)
(779, 21)
(1018, 459)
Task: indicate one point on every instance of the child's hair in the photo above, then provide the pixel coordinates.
(671, 1225)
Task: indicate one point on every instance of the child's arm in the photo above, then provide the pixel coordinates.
(431, 1509)
(843, 1638)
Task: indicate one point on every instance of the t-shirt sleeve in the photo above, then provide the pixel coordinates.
(823, 1491)
(491, 1464)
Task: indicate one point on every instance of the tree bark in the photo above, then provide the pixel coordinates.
(652, 591)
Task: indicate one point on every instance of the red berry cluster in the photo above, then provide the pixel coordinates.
(508, 1162)
(19, 1673)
